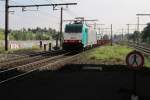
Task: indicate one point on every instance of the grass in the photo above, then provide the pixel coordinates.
(147, 62)
(1, 48)
(114, 54)
(35, 48)
(110, 53)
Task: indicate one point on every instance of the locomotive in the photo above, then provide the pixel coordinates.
(78, 35)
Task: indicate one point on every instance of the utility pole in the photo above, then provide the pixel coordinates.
(61, 24)
(6, 23)
(57, 37)
(122, 34)
(138, 22)
(138, 29)
(128, 32)
(111, 35)
(60, 34)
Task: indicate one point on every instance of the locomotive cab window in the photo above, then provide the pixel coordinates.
(73, 29)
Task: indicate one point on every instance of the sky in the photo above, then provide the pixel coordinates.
(115, 12)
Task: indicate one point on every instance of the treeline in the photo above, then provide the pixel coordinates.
(143, 36)
(31, 34)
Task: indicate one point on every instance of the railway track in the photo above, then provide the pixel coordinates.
(27, 55)
(46, 63)
(7, 57)
(28, 59)
(17, 55)
(52, 63)
(140, 48)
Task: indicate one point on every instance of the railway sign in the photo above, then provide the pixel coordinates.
(135, 60)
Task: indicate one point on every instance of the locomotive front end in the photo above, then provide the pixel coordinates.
(73, 37)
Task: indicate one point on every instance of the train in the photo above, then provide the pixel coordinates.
(79, 36)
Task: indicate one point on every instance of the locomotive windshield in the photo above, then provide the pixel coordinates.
(72, 28)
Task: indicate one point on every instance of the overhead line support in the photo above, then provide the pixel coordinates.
(111, 36)
(7, 6)
(61, 24)
(6, 23)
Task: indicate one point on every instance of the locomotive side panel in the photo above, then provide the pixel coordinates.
(85, 36)
(92, 40)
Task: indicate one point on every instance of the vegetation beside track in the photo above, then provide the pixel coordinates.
(111, 55)
(2, 50)
(30, 34)
(147, 62)
(115, 54)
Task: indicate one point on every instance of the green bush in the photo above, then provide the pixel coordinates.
(1, 35)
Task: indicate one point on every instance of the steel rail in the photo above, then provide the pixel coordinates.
(25, 60)
(30, 55)
(140, 48)
(38, 63)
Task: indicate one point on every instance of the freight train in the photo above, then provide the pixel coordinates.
(79, 35)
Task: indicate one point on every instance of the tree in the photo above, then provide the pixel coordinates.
(146, 34)
(136, 36)
(31, 34)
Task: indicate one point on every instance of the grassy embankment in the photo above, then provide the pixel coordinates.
(147, 62)
(28, 35)
(34, 48)
(113, 55)
(2, 49)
